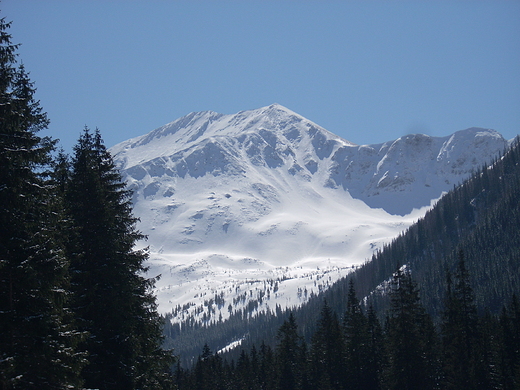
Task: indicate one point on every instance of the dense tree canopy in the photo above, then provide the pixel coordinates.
(37, 341)
(75, 308)
(112, 300)
(404, 354)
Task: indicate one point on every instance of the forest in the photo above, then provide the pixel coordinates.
(75, 310)
(480, 217)
(437, 308)
(357, 351)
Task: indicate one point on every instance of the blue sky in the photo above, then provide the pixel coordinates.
(368, 71)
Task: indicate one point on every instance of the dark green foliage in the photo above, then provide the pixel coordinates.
(267, 370)
(112, 300)
(374, 366)
(509, 345)
(37, 339)
(327, 351)
(289, 355)
(459, 331)
(411, 338)
(358, 333)
(245, 375)
(406, 355)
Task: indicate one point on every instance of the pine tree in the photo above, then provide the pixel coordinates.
(509, 341)
(288, 355)
(411, 338)
(267, 368)
(487, 372)
(459, 331)
(37, 340)
(112, 300)
(255, 368)
(376, 351)
(208, 373)
(244, 372)
(327, 351)
(357, 343)
(202, 371)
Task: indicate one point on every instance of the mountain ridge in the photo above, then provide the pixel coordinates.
(192, 141)
(232, 201)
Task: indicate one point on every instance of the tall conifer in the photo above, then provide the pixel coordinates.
(112, 298)
(376, 351)
(36, 338)
(509, 342)
(411, 338)
(460, 332)
(289, 358)
(327, 351)
(357, 343)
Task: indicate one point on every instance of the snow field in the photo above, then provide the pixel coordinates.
(264, 208)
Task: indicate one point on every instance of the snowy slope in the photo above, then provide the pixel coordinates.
(266, 207)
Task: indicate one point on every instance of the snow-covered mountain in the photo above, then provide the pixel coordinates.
(265, 206)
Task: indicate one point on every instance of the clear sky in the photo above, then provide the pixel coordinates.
(369, 71)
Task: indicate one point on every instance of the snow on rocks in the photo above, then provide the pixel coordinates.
(236, 204)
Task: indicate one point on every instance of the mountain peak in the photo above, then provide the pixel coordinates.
(276, 107)
(266, 194)
(274, 125)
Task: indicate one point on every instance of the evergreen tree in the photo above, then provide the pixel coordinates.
(37, 340)
(289, 355)
(509, 345)
(411, 338)
(244, 377)
(202, 372)
(357, 343)
(112, 300)
(459, 330)
(267, 373)
(209, 372)
(327, 351)
(376, 351)
(486, 352)
(255, 367)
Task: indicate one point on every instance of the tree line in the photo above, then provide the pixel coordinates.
(75, 310)
(480, 217)
(358, 351)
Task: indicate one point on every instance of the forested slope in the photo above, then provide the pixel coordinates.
(479, 217)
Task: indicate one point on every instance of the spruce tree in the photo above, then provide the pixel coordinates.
(37, 340)
(509, 364)
(289, 360)
(244, 372)
(112, 298)
(376, 351)
(411, 338)
(357, 343)
(208, 373)
(460, 333)
(267, 367)
(327, 351)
